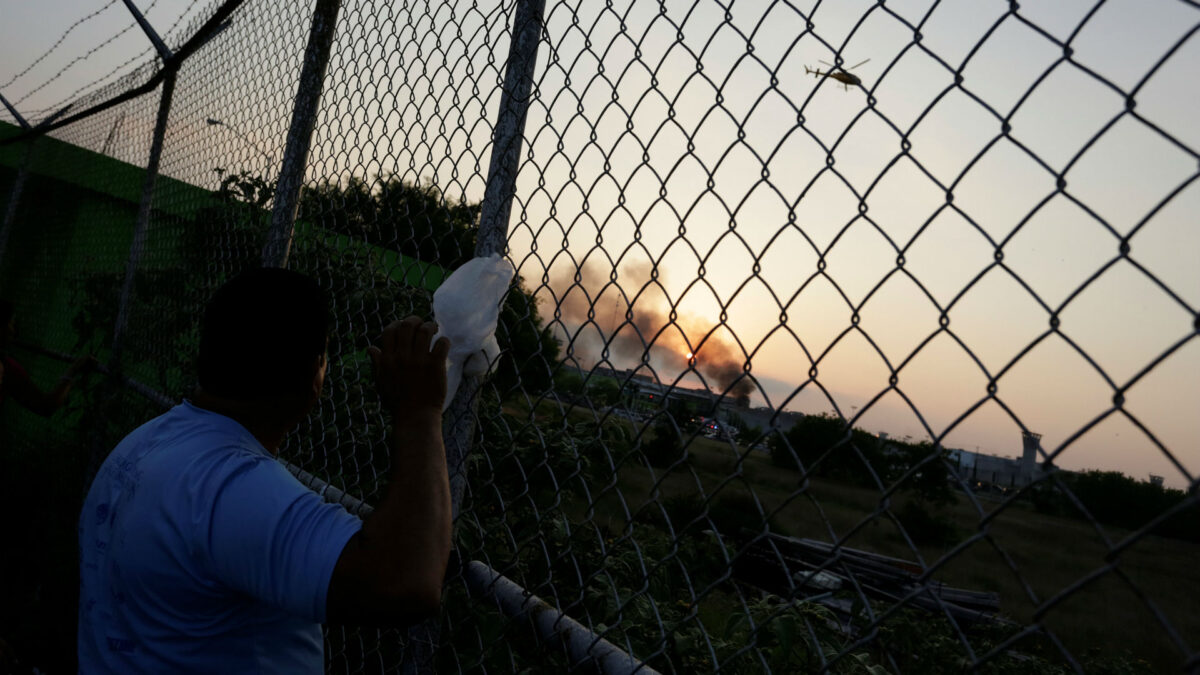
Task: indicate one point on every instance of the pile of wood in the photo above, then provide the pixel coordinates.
(810, 570)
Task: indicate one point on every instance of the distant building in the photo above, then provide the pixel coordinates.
(642, 392)
(1156, 480)
(1030, 444)
(1002, 471)
(769, 418)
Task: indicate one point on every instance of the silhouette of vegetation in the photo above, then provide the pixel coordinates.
(418, 221)
(664, 447)
(414, 219)
(824, 445)
(1113, 498)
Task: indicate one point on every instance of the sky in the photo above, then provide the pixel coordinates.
(690, 140)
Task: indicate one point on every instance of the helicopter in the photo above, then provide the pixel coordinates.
(842, 75)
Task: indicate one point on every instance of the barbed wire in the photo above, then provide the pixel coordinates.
(58, 43)
(103, 86)
(78, 59)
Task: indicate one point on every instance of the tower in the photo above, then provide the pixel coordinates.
(1030, 443)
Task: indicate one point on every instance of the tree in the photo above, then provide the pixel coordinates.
(812, 441)
(931, 479)
(824, 445)
(1113, 498)
(568, 382)
(665, 447)
(605, 391)
(226, 237)
(531, 352)
(413, 218)
(416, 220)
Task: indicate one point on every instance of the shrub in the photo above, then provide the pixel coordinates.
(665, 447)
(736, 512)
(926, 526)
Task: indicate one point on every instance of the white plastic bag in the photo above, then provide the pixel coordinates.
(466, 308)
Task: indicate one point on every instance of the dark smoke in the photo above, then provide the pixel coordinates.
(633, 314)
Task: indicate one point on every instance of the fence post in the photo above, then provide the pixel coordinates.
(13, 111)
(163, 51)
(304, 117)
(112, 384)
(18, 186)
(145, 206)
(492, 237)
(14, 196)
(509, 134)
(494, 213)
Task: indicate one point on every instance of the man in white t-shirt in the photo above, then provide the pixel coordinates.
(199, 552)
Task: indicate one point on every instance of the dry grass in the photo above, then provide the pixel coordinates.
(1028, 558)
(1047, 553)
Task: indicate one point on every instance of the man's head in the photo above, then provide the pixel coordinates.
(263, 339)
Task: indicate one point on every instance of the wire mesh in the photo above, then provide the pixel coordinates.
(777, 266)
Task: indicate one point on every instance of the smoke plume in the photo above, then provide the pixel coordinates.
(629, 313)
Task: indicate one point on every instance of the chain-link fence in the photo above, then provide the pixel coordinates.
(780, 265)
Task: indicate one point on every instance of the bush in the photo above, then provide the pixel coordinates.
(825, 446)
(730, 513)
(682, 510)
(568, 382)
(605, 391)
(736, 512)
(925, 526)
(1113, 498)
(665, 447)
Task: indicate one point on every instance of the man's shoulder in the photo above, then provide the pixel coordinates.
(188, 430)
(182, 454)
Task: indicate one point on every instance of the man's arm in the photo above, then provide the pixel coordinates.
(392, 571)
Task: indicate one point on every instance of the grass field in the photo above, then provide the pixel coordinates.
(1028, 558)
(1049, 553)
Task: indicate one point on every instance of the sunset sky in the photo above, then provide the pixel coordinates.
(626, 134)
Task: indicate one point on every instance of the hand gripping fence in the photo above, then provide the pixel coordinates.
(782, 267)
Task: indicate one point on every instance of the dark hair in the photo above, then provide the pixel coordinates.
(261, 332)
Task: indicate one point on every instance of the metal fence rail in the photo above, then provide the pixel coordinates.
(778, 264)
